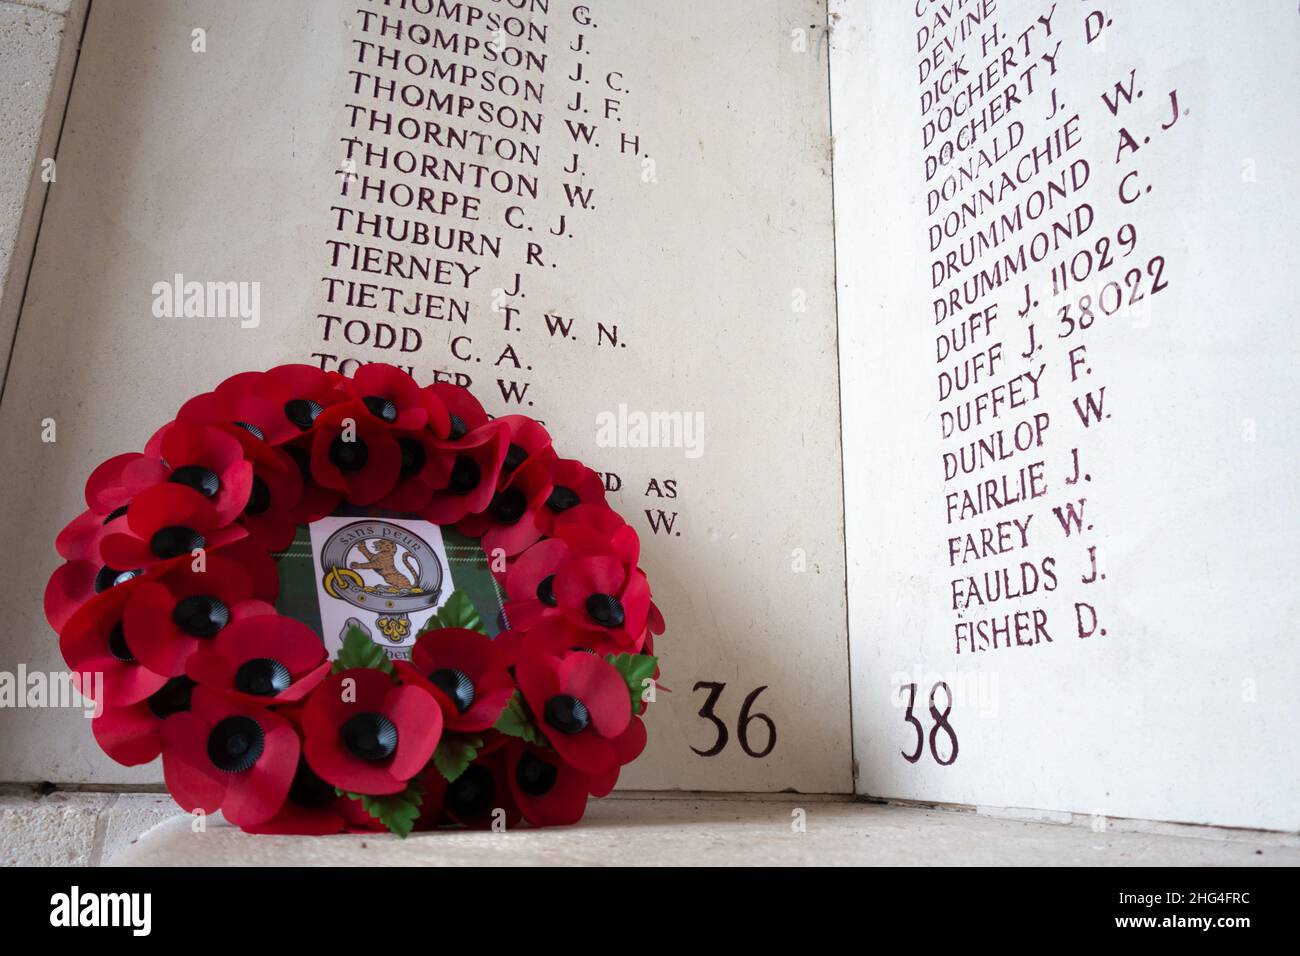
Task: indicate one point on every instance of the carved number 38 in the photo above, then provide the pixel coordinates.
(940, 723)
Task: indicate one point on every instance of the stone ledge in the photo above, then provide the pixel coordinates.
(75, 829)
(146, 829)
(719, 832)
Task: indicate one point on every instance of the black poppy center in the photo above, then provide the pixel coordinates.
(262, 677)
(562, 499)
(473, 794)
(458, 428)
(605, 610)
(508, 506)
(369, 736)
(203, 480)
(309, 790)
(117, 644)
(534, 775)
(111, 577)
(381, 408)
(349, 455)
(414, 456)
(115, 514)
(546, 591)
(175, 540)
(235, 744)
(465, 475)
(515, 456)
(172, 698)
(456, 685)
(200, 615)
(302, 412)
(567, 714)
(259, 499)
(251, 429)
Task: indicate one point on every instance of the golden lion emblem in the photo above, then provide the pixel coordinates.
(383, 561)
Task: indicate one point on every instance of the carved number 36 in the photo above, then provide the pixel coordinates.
(940, 723)
(742, 724)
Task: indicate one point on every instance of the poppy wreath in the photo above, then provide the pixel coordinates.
(166, 611)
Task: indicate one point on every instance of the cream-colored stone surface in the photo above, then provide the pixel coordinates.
(38, 47)
(61, 7)
(1168, 707)
(128, 817)
(55, 830)
(221, 166)
(726, 832)
(75, 829)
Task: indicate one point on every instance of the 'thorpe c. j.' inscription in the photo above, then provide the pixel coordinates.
(1035, 239)
(475, 142)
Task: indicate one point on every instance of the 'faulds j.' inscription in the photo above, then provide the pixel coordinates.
(1028, 257)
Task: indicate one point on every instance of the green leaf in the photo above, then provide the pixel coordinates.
(459, 611)
(515, 722)
(636, 669)
(397, 811)
(455, 753)
(359, 650)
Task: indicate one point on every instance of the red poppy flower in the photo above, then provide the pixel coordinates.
(481, 798)
(247, 418)
(510, 522)
(310, 809)
(581, 704)
(530, 443)
(221, 755)
(548, 791)
(628, 745)
(260, 660)
(115, 482)
(274, 406)
(529, 583)
(296, 393)
(595, 518)
(211, 462)
(94, 641)
(464, 673)
(353, 452)
(271, 515)
(169, 619)
(572, 484)
(464, 413)
(73, 583)
(261, 568)
(79, 540)
(132, 735)
(600, 592)
(365, 734)
(392, 397)
(166, 523)
(553, 636)
(316, 500)
(473, 477)
(426, 468)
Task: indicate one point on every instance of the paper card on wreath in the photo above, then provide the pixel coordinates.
(387, 575)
